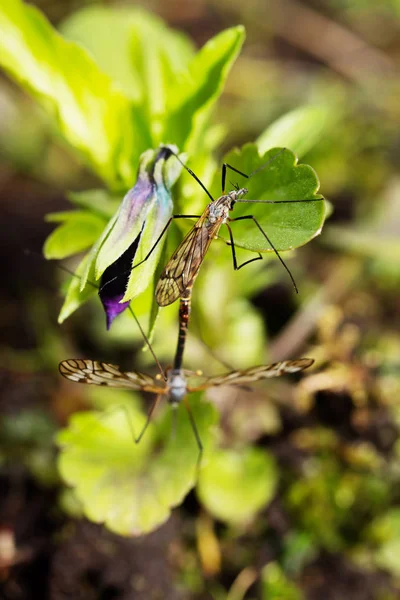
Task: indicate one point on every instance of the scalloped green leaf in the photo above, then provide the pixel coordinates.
(129, 487)
(287, 225)
(79, 230)
(90, 109)
(218, 488)
(195, 91)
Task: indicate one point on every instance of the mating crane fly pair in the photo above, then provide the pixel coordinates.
(176, 281)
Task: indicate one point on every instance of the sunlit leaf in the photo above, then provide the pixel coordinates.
(235, 485)
(78, 231)
(142, 54)
(90, 110)
(288, 225)
(195, 91)
(129, 487)
(75, 297)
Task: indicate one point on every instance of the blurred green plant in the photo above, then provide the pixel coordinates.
(276, 586)
(132, 487)
(27, 437)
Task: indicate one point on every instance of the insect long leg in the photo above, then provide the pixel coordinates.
(195, 431)
(245, 217)
(150, 347)
(232, 245)
(148, 419)
(247, 201)
(194, 176)
(226, 166)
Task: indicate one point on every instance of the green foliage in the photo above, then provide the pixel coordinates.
(28, 437)
(132, 487)
(195, 92)
(237, 483)
(94, 115)
(276, 586)
(107, 469)
(79, 230)
(325, 500)
(300, 129)
(384, 532)
(142, 54)
(89, 109)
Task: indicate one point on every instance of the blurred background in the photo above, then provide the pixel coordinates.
(325, 76)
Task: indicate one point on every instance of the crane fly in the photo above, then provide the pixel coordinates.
(183, 267)
(172, 383)
(174, 387)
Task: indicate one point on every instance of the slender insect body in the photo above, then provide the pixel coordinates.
(177, 386)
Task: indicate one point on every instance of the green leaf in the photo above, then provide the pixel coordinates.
(193, 94)
(288, 225)
(218, 487)
(301, 129)
(79, 230)
(132, 488)
(75, 297)
(98, 201)
(90, 110)
(142, 54)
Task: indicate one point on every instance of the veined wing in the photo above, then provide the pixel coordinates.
(255, 373)
(183, 267)
(95, 372)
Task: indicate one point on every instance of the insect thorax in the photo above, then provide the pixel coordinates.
(219, 209)
(177, 386)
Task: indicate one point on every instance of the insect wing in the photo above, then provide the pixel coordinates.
(254, 374)
(94, 372)
(182, 269)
